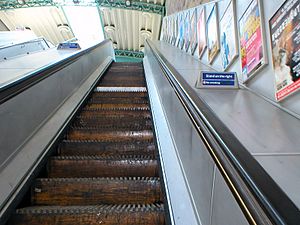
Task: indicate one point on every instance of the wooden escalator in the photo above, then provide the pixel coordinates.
(106, 169)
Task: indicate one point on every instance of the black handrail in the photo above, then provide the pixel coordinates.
(16, 87)
(260, 198)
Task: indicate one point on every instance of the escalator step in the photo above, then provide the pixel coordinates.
(123, 84)
(95, 166)
(118, 106)
(117, 100)
(91, 191)
(93, 215)
(122, 122)
(111, 135)
(98, 93)
(74, 147)
(113, 113)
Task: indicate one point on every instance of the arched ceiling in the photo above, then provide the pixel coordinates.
(129, 29)
(128, 23)
(48, 22)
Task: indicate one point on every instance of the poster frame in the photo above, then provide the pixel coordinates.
(214, 9)
(187, 31)
(273, 67)
(182, 26)
(262, 28)
(193, 45)
(175, 27)
(236, 53)
(205, 34)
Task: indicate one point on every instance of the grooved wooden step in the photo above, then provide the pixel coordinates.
(113, 113)
(90, 215)
(116, 83)
(110, 106)
(121, 122)
(73, 147)
(92, 191)
(118, 100)
(121, 135)
(93, 166)
(119, 94)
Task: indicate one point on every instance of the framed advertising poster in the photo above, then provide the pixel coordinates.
(229, 48)
(193, 36)
(252, 49)
(201, 32)
(213, 45)
(175, 29)
(181, 31)
(285, 37)
(178, 18)
(187, 31)
(163, 30)
(169, 29)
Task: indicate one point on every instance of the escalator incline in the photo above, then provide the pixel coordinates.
(105, 170)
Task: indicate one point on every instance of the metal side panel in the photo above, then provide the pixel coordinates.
(180, 204)
(32, 120)
(191, 167)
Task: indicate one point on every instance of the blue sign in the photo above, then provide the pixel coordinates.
(68, 45)
(218, 79)
(208, 79)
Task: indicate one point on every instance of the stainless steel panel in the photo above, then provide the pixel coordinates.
(260, 126)
(31, 119)
(180, 205)
(192, 154)
(225, 210)
(285, 171)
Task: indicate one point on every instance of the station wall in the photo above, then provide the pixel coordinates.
(263, 83)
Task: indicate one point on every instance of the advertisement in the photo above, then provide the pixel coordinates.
(187, 31)
(285, 39)
(213, 46)
(228, 36)
(163, 30)
(175, 29)
(181, 30)
(201, 31)
(251, 41)
(193, 44)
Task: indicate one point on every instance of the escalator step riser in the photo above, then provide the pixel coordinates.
(84, 191)
(115, 118)
(106, 148)
(106, 100)
(128, 106)
(119, 77)
(120, 94)
(113, 113)
(93, 215)
(102, 168)
(139, 135)
(124, 84)
(117, 123)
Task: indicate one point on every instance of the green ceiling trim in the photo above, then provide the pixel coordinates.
(121, 4)
(15, 4)
(133, 5)
(129, 54)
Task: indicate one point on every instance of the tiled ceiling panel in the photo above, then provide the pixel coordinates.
(49, 22)
(128, 29)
